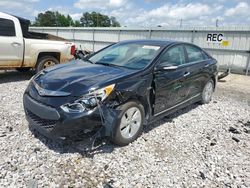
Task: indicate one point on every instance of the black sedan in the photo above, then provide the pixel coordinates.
(119, 89)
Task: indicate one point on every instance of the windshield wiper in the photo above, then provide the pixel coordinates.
(108, 64)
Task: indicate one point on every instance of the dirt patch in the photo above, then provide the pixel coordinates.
(235, 86)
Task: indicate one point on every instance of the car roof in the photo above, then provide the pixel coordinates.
(153, 42)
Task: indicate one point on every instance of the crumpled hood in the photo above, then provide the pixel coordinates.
(78, 77)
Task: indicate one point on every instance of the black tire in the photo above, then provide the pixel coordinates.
(23, 69)
(43, 60)
(206, 99)
(117, 137)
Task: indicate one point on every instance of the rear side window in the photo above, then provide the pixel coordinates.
(7, 28)
(173, 57)
(194, 54)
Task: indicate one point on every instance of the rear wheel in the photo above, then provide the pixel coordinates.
(45, 62)
(207, 92)
(129, 123)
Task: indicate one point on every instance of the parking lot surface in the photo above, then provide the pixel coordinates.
(199, 146)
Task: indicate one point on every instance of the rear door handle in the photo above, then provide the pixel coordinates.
(186, 74)
(16, 44)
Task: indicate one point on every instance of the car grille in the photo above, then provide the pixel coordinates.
(45, 123)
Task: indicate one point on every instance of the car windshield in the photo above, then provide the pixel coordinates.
(128, 55)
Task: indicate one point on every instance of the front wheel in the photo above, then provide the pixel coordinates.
(207, 92)
(129, 123)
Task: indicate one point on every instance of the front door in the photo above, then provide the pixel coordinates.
(11, 45)
(170, 88)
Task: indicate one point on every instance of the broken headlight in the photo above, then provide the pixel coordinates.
(88, 101)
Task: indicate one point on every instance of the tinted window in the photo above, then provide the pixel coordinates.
(194, 54)
(7, 28)
(173, 56)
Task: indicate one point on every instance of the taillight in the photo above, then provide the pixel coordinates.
(73, 50)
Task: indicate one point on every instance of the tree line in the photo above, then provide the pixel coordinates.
(88, 19)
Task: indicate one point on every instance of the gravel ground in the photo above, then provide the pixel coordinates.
(200, 146)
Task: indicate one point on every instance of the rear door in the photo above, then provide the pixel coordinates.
(170, 87)
(197, 63)
(11, 45)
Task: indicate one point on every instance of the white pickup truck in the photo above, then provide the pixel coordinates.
(23, 50)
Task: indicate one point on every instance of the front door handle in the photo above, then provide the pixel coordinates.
(186, 74)
(16, 44)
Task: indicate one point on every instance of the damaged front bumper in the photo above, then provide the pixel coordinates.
(57, 124)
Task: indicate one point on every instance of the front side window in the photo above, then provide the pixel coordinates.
(7, 28)
(174, 56)
(194, 54)
(128, 55)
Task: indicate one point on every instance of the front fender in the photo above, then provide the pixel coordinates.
(138, 89)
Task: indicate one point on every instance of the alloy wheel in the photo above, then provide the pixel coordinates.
(208, 91)
(130, 122)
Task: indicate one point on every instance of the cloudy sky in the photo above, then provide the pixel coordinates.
(142, 12)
